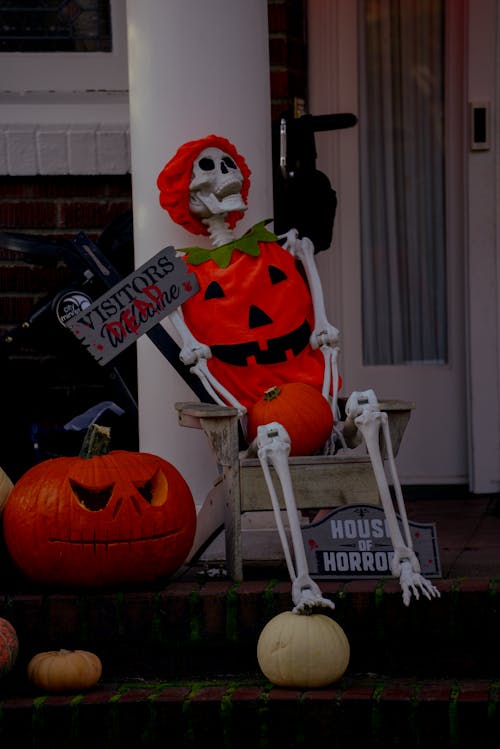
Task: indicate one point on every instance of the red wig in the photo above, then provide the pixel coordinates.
(173, 182)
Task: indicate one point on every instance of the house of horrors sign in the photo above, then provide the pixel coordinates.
(354, 542)
(134, 305)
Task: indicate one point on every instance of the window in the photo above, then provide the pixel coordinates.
(402, 178)
(55, 26)
(64, 99)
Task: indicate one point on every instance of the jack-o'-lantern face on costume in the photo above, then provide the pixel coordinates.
(253, 308)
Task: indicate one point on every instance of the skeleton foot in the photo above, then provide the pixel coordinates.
(274, 447)
(307, 595)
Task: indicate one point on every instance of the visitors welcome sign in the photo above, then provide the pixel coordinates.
(134, 305)
(354, 542)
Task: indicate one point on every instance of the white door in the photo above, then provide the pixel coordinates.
(434, 449)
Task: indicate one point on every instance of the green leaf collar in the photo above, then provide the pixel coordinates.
(248, 243)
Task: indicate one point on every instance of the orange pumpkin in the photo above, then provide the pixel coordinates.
(9, 647)
(121, 517)
(301, 409)
(64, 670)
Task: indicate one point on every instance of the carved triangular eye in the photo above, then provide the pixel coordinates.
(276, 274)
(93, 499)
(257, 317)
(214, 291)
(155, 490)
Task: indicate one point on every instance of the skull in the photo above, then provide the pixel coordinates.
(215, 185)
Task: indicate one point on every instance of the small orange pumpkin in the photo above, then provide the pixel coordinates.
(64, 670)
(301, 409)
(9, 647)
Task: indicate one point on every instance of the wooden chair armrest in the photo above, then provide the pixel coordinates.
(220, 424)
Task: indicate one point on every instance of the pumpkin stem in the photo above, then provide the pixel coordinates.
(272, 393)
(97, 441)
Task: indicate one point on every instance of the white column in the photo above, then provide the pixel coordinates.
(195, 68)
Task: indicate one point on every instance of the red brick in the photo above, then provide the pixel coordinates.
(277, 52)
(89, 213)
(178, 617)
(39, 214)
(16, 716)
(167, 715)
(138, 608)
(322, 715)
(280, 84)
(64, 625)
(101, 617)
(213, 599)
(248, 704)
(285, 723)
(276, 13)
(26, 613)
(247, 693)
(251, 606)
(205, 717)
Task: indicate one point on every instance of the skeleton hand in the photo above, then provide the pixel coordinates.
(193, 352)
(292, 243)
(324, 335)
(413, 582)
(406, 565)
(219, 393)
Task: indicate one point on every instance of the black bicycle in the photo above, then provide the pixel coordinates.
(48, 376)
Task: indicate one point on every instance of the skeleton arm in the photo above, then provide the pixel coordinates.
(303, 249)
(324, 336)
(196, 354)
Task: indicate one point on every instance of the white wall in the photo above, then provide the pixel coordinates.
(195, 68)
(483, 85)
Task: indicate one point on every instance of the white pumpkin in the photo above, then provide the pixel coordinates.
(303, 651)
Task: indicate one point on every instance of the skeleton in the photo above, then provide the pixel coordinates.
(214, 192)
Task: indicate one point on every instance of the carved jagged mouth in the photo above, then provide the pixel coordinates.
(109, 541)
(276, 352)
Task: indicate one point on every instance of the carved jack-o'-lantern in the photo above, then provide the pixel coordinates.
(254, 310)
(122, 517)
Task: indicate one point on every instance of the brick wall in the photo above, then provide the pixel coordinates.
(47, 378)
(287, 55)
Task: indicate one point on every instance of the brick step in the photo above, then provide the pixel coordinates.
(205, 628)
(360, 710)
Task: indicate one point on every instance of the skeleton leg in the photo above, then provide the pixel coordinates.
(274, 447)
(362, 407)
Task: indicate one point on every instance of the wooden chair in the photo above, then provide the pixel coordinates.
(319, 481)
